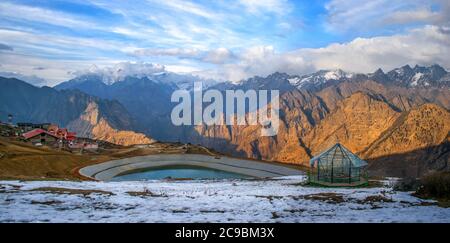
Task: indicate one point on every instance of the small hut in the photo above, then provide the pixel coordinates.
(337, 166)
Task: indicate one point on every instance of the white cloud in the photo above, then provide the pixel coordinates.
(359, 15)
(36, 14)
(121, 70)
(58, 44)
(32, 79)
(134, 32)
(408, 16)
(206, 34)
(260, 61)
(425, 46)
(56, 70)
(176, 52)
(260, 7)
(181, 69)
(214, 44)
(188, 7)
(216, 56)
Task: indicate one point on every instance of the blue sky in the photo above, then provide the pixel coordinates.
(51, 41)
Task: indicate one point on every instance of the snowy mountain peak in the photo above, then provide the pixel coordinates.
(419, 76)
(319, 78)
(378, 72)
(146, 71)
(294, 80)
(93, 69)
(120, 71)
(423, 76)
(415, 79)
(335, 74)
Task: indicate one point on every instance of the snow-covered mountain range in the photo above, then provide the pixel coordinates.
(419, 76)
(125, 70)
(319, 78)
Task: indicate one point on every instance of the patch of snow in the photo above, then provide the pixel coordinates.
(210, 201)
(120, 71)
(294, 80)
(337, 74)
(154, 72)
(415, 79)
(334, 75)
(321, 77)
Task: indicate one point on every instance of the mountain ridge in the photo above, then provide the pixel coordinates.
(354, 109)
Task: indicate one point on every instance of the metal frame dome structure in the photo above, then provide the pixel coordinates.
(337, 166)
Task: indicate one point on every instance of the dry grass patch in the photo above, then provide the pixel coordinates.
(435, 186)
(375, 199)
(328, 197)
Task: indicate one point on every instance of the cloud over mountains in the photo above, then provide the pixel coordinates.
(222, 40)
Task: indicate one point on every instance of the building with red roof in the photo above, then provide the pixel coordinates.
(50, 135)
(62, 133)
(71, 136)
(40, 136)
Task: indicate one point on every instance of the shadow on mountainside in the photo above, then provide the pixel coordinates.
(412, 164)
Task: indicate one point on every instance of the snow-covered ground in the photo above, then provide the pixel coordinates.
(280, 200)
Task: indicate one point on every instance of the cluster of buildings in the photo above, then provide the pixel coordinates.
(46, 134)
(52, 135)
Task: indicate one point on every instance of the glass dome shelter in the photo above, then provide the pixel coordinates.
(337, 166)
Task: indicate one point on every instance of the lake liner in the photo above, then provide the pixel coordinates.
(108, 170)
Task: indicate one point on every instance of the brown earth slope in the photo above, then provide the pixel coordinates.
(356, 122)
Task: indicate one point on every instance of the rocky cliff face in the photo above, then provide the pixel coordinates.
(417, 142)
(93, 124)
(356, 122)
(423, 127)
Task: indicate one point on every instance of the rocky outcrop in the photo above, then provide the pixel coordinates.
(93, 124)
(356, 122)
(422, 127)
(419, 141)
